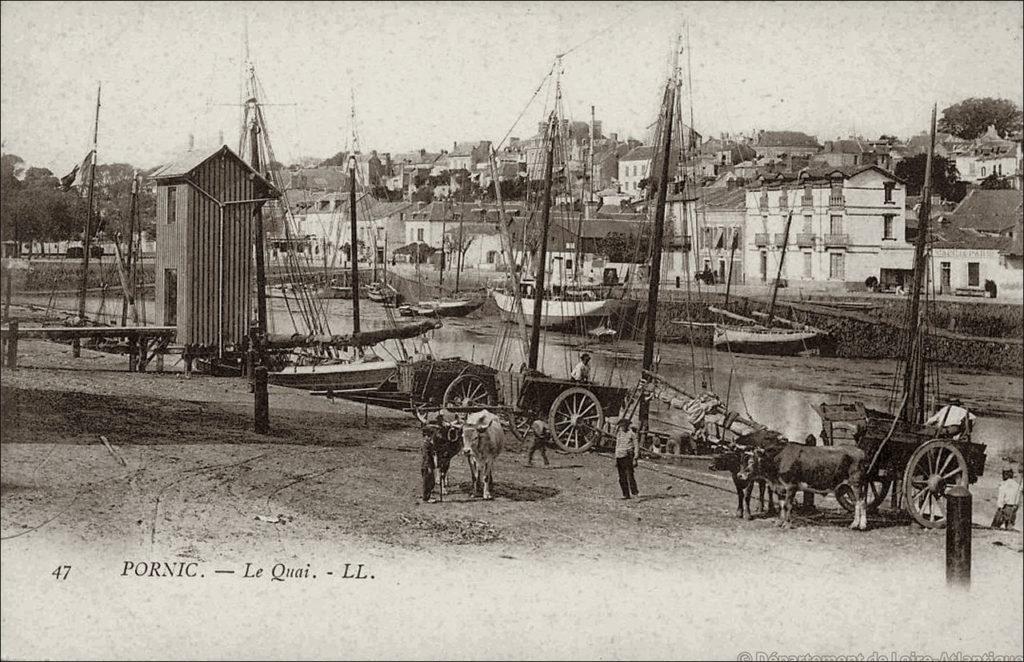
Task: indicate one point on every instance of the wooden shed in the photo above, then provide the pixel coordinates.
(206, 201)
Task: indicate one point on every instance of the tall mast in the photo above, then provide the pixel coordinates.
(668, 108)
(261, 269)
(914, 370)
(87, 237)
(782, 262)
(542, 250)
(353, 251)
(592, 134)
(510, 258)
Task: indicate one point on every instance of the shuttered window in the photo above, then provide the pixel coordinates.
(172, 204)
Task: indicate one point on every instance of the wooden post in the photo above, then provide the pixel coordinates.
(133, 353)
(12, 345)
(262, 413)
(76, 347)
(958, 536)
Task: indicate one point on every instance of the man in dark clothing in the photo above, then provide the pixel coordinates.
(541, 442)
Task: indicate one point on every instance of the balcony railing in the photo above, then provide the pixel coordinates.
(761, 239)
(763, 204)
(807, 201)
(804, 240)
(783, 202)
(832, 240)
(780, 239)
(836, 201)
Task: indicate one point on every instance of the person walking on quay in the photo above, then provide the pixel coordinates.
(1007, 502)
(581, 373)
(627, 454)
(541, 442)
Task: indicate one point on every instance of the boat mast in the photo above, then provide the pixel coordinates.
(87, 237)
(510, 258)
(542, 249)
(354, 238)
(668, 108)
(914, 372)
(778, 276)
(258, 239)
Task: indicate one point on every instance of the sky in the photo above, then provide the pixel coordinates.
(426, 74)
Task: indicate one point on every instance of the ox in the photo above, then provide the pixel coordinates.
(441, 442)
(482, 441)
(732, 461)
(791, 468)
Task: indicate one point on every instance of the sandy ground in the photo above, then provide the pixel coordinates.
(555, 566)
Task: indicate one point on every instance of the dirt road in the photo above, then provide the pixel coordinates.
(556, 557)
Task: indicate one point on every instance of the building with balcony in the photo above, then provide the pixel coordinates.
(845, 225)
(706, 224)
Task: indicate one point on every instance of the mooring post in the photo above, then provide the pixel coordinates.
(958, 536)
(262, 414)
(12, 345)
(133, 353)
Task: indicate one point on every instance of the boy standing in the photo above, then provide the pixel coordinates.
(1007, 503)
(627, 454)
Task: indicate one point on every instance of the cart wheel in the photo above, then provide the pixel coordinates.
(576, 418)
(934, 467)
(877, 490)
(468, 391)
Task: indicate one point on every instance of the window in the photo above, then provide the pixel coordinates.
(568, 265)
(419, 234)
(764, 266)
(970, 168)
(836, 266)
(643, 169)
(945, 274)
(887, 224)
(836, 224)
(973, 274)
(807, 265)
(172, 204)
(889, 186)
(808, 224)
(982, 171)
(170, 296)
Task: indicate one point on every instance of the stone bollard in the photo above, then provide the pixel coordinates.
(261, 415)
(958, 536)
(12, 345)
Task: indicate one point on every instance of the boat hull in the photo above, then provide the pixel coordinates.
(776, 342)
(553, 313)
(335, 377)
(446, 308)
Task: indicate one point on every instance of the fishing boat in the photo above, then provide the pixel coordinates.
(366, 372)
(603, 333)
(762, 340)
(555, 311)
(381, 293)
(446, 307)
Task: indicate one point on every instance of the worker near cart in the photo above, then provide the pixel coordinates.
(581, 373)
(541, 441)
(1007, 502)
(627, 454)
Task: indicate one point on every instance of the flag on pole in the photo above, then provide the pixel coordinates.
(77, 176)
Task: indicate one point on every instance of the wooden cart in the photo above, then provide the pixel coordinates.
(918, 464)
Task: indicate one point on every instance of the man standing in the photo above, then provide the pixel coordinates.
(541, 442)
(627, 454)
(581, 373)
(1007, 502)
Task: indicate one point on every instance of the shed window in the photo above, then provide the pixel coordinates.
(887, 225)
(172, 204)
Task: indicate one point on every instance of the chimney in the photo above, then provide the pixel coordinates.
(191, 142)
(220, 137)
(614, 137)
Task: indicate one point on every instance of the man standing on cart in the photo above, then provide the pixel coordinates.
(581, 373)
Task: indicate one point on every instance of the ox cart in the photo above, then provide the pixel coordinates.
(916, 464)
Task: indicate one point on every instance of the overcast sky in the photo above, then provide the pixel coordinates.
(426, 74)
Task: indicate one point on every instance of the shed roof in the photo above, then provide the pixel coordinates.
(184, 164)
(641, 153)
(786, 139)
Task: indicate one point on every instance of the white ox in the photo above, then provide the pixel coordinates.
(482, 440)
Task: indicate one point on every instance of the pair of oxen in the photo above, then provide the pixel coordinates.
(765, 458)
(482, 439)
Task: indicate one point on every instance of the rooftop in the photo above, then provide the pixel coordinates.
(988, 211)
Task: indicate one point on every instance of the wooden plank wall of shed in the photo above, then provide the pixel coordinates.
(224, 180)
(169, 253)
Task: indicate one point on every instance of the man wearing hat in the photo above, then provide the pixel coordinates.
(1007, 502)
(627, 453)
(581, 373)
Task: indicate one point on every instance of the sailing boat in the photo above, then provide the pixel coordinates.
(314, 368)
(757, 338)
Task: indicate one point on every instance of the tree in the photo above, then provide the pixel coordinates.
(994, 182)
(971, 117)
(945, 178)
(339, 159)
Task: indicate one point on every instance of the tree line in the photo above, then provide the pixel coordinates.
(35, 208)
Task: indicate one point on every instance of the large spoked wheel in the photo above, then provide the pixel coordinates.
(468, 391)
(934, 467)
(576, 418)
(878, 488)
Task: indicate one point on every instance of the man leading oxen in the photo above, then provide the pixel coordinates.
(482, 441)
(791, 468)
